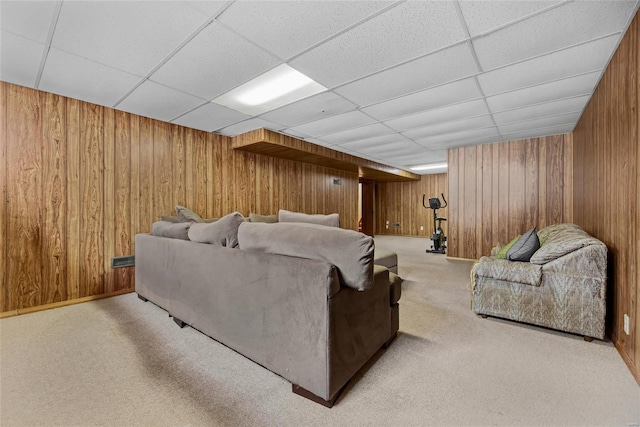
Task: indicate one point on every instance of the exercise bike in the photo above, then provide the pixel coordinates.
(438, 238)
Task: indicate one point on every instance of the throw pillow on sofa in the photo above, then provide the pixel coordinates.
(172, 230)
(331, 220)
(187, 215)
(223, 232)
(524, 248)
(175, 219)
(349, 251)
(168, 218)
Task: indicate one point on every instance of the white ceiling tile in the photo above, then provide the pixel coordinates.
(454, 137)
(475, 141)
(296, 134)
(418, 156)
(377, 143)
(409, 153)
(158, 102)
(455, 126)
(536, 133)
(390, 148)
(309, 109)
(363, 132)
(443, 146)
(79, 78)
(432, 70)
(29, 19)
(248, 125)
(130, 36)
(441, 155)
(210, 117)
(272, 24)
(335, 123)
(569, 24)
(559, 89)
(214, 62)
(208, 7)
(19, 59)
(441, 96)
(437, 116)
(483, 16)
(404, 32)
(560, 119)
(581, 59)
(542, 110)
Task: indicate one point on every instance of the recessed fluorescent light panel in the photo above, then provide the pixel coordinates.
(273, 89)
(434, 167)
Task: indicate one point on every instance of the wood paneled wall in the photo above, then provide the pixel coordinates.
(78, 181)
(401, 202)
(607, 186)
(497, 191)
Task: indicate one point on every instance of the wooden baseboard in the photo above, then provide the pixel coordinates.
(453, 258)
(27, 310)
(635, 371)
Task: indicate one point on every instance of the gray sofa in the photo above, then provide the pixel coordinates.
(304, 301)
(562, 287)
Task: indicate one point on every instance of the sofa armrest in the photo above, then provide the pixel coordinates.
(383, 277)
(509, 271)
(589, 261)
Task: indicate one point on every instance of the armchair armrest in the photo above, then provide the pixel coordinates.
(509, 271)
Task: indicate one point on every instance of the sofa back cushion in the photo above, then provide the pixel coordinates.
(172, 230)
(223, 232)
(331, 220)
(263, 218)
(349, 251)
(559, 240)
(187, 215)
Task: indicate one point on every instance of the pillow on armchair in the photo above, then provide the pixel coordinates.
(524, 248)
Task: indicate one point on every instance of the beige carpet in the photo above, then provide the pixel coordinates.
(122, 362)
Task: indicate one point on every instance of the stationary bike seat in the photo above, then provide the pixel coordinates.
(441, 219)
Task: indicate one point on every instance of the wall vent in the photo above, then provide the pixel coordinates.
(123, 261)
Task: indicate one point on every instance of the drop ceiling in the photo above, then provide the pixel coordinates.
(406, 80)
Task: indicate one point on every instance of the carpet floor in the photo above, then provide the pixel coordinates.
(122, 362)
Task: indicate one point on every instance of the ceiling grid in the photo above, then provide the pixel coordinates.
(406, 80)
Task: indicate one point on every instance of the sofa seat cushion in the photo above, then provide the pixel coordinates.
(172, 230)
(331, 220)
(223, 232)
(349, 251)
(509, 271)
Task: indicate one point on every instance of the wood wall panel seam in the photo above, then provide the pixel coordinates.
(117, 173)
(3, 197)
(501, 170)
(606, 194)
